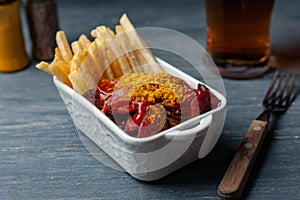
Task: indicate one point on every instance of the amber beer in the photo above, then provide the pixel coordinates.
(238, 31)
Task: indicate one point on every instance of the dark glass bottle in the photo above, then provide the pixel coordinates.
(43, 24)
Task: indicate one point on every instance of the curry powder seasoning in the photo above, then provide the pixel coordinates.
(159, 87)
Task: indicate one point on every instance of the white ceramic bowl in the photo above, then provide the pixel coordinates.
(152, 157)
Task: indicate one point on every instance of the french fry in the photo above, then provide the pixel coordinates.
(127, 49)
(58, 54)
(43, 66)
(75, 62)
(64, 46)
(57, 68)
(98, 59)
(115, 50)
(95, 34)
(119, 29)
(107, 65)
(140, 47)
(58, 59)
(65, 68)
(88, 64)
(78, 82)
(108, 73)
(59, 73)
(112, 59)
(76, 47)
(110, 32)
(111, 65)
(81, 64)
(84, 41)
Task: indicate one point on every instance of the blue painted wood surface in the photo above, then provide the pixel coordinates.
(42, 157)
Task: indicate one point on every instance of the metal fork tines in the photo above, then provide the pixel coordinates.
(277, 100)
(279, 95)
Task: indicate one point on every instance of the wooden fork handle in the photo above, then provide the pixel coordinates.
(235, 178)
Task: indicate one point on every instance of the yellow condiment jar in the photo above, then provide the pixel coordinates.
(13, 56)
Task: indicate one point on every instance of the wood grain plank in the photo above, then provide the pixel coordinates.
(42, 157)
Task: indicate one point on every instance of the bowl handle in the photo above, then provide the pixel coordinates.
(185, 132)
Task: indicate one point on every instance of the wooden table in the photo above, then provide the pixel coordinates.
(42, 157)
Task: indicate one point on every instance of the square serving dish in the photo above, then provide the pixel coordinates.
(156, 156)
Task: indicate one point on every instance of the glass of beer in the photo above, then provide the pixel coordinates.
(238, 36)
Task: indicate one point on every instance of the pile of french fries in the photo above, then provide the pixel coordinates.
(84, 63)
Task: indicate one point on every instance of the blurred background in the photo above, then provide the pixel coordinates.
(187, 17)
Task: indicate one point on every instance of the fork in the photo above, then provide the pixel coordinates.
(277, 100)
